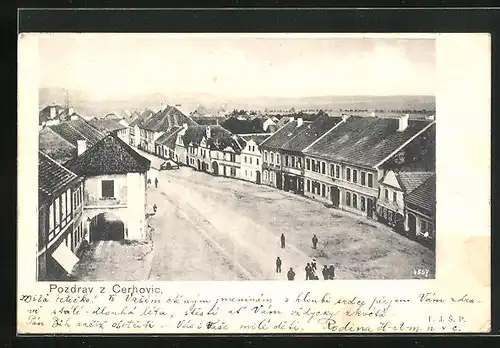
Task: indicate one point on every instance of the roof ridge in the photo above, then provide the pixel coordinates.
(58, 164)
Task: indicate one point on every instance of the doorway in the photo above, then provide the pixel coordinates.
(106, 226)
(257, 177)
(369, 207)
(335, 195)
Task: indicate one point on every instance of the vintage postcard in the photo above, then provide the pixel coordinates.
(253, 183)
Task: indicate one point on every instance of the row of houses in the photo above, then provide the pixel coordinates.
(382, 168)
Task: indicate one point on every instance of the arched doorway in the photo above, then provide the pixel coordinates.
(106, 226)
(412, 224)
(199, 165)
(257, 177)
(215, 167)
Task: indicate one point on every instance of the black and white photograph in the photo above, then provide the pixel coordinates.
(225, 157)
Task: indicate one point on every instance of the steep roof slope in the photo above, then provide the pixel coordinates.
(52, 177)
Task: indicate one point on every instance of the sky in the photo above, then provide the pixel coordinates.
(120, 65)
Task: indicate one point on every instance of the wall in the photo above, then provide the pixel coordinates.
(136, 209)
(248, 170)
(93, 188)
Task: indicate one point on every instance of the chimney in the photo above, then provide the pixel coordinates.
(207, 132)
(82, 146)
(300, 121)
(53, 112)
(403, 122)
(71, 111)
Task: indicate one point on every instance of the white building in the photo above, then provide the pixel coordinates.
(251, 157)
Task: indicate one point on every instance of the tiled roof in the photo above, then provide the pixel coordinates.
(364, 141)
(144, 116)
(220, 138)
(310, 133)
(52, 177)
(411, 180)
(78, 130)
(109, 156)
(258, 138)
(284, 134)
(169, 137)
(424, 196)
(165, 119)
(107, 125)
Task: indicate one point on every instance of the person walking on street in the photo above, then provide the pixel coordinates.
(308, 270)
(315, 241)
(278, 265)
(149, 181)
(331, 272)
(291, 274)
(282, 241)
(156, 182)
(313, 265)
(325, 272)
(155, 207)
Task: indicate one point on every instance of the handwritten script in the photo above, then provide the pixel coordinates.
(118, 308)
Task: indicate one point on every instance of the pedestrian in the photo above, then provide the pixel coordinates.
(278, 265)
(291, 274)
(315, 241)
(325, 272)
(308, 270)
(313, 264)
(331, 272)
(155, 207)
(282, 241)
(156, 182)
(149, 181)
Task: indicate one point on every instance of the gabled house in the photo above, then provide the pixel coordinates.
(134, 130)
(54, 114)
(60, 226)
(344, 166)
(67, 139)
(165, 144)
(152, 128)
(251, 157)
(115, 189)
(268, 122)
(394, 187)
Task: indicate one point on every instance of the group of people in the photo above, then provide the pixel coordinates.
(310, 268)
(156, 182)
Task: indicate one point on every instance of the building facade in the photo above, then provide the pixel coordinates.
(60, 226)
(251, 157)
(344, 166)
(115, 185)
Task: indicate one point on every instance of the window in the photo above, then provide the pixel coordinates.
(299, 162)
(363, 207)
(332, 170)
(257, 160)
(246, 174)
(323, 190)
(250, 160)
(287, 160)
(387, 194)
(348, 174)
(265, 156)
(370, 180)
(308, 185)
(394, 196)
(354, 200)
(308, 164)
(51, 217)
(313, 165)
(363, 178)
(293, 161)
(233, 171)
(348, 198)
(245, 158)
(108, 188)
(389, 215)
(232, 157)
(337, 171)
(355, 176)
(323, 168)
(272, 157)
(277, 158)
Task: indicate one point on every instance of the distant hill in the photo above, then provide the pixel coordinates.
(91, 108)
